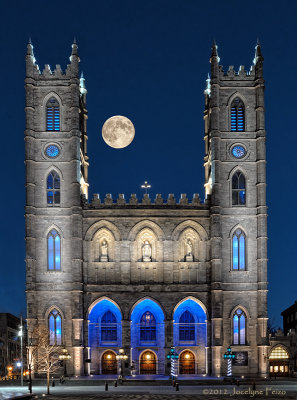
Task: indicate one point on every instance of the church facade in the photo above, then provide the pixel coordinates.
(142, 275)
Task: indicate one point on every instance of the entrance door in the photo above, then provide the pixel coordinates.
(187, 363)
(148, 363)
(109, 363)
(279, 361)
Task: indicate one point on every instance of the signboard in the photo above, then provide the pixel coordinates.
(241, 358)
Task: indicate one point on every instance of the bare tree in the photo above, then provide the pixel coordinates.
(44, 355)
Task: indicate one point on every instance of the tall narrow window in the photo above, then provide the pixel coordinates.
(238, 189)
(54, 251)
(237, 115)
(53, 189)
(108, 327)
(186, 327)
(55, 327)
(147, 327)
(52, 115)
(239, 327)
(238, 250)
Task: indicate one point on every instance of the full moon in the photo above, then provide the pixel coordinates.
(118, 132)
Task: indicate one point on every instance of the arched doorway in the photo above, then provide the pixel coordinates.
(279, 362)
(109, 363)
(187, 363)
(148, 363)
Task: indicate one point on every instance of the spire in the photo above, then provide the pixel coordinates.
(30, 48)
(214, 52)
(214, 61)
(74, 52)
(258, 53)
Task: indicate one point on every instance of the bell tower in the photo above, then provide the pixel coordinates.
(56, 177)
(235, 181)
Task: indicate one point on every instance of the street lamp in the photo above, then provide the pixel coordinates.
(20, 334)
(122, 357)
(229, 356)
(63, 357)
(173, 357)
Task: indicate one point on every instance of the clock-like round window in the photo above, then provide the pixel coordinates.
(238, 151)
(52, 151)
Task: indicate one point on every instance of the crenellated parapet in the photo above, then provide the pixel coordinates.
(146, 201)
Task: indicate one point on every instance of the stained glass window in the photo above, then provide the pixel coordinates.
(238, 189)
(52, 151)
(53, 189)
(238, 151)
(239, 327)
(52, 115)
(237, 115)
(238, 250)
(186, 326)
(54, 251)
(55, 327)
(148, 327)
(108, 327)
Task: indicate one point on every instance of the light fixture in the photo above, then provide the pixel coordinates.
(109, 356)
(148, 356)
(187, 355)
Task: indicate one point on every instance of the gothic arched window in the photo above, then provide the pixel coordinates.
(238, 189)
(186, 326)
(53, 189)
(147, 327)
(55, 327)
(108, 327)
(52, 115)
(238, 250)
(237, 115)
(54, 251)
(239, 327)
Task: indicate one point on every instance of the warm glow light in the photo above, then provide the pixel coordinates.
(187, 355)
(108, 356)
(10, 368)
(148, 356)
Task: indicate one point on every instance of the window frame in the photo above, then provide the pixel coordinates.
(238, 173)
(54, 190)
(184, 326)
(50, 234)
(147, 330)
(113, 326)
(53, 337)
(56, 105)
(244, 315)
(238, 236)
(236, 107)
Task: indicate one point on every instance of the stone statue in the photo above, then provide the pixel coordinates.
(146, 251)
(189, 250)
(104, 251)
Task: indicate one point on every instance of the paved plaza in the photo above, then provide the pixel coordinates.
(278, 390)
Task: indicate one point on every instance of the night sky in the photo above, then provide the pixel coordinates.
(148, 60)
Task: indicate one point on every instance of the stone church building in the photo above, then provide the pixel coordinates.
(143, 275)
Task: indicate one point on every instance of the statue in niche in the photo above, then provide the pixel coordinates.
(104, 251)
(189, 250)
(146, 251)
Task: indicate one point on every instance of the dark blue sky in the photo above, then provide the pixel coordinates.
(148, 60)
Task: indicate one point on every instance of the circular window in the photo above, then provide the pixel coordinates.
(52, 151)
(238, 151)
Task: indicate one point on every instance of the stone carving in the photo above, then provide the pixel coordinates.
(104, 251)
(189, 250)
(146, 251)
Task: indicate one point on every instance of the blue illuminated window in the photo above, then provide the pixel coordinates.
(147, 327)
(52, 151)
(53, 189)
(186, 326)
(239, 327)
(237, 115)
(55, 327)
(238, 189)
(54, 251)
(52, 115)
(108, 327)
(238, 250)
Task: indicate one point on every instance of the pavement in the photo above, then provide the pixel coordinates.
(279, 390)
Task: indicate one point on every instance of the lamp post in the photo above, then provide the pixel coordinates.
(20, 334)
(64, 356)
(229, 356)
(121, 357)
(173, 357)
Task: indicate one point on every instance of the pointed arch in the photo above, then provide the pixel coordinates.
(239, 326)
(238, 188)
(237, 113)
(189, 224)
(53, 113)
(53, 250)
(55, 327)
(94, 228)
(146, 224)
(53, 189)
(239, 251)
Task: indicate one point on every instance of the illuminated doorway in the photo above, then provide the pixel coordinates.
(279, 362)
(109, 363)
(148, 363)
(187, 363)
